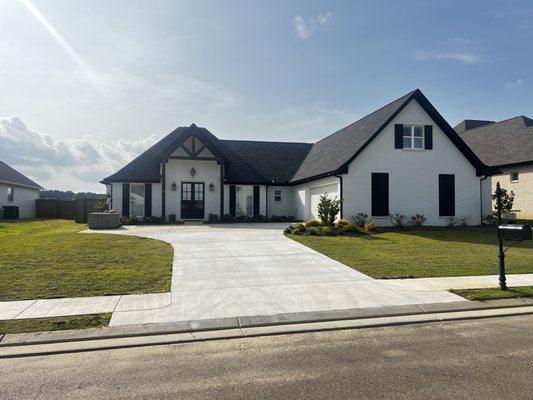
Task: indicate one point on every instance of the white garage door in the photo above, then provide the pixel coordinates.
(331, 190)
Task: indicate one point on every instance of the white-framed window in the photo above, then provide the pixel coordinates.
(10, 193)
(137, 200)
(413, 137)
(244, 201)
(277, 195)
(514, 176)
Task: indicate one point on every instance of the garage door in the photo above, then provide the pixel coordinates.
(331, 190)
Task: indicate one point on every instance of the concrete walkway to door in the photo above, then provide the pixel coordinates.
(253, 269)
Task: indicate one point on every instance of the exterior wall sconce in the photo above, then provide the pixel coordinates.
(211, 187)
(174, 187)
(193, 172)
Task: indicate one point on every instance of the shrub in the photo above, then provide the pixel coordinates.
(369, 226)
(312, 222)
(350, 228)
(342, 223)
(299, 228)
(288, 230)
(507, 200)
(360, 220)
(313, 231)
(488, 219)
(397, 220)
(153, 220)
(290, 218)
(260, 218)
(417, 220)
(328, 231)
(328, 209)
(464, 221)
(172, 218)
(227, 218)
(450, 221)
(213, 218)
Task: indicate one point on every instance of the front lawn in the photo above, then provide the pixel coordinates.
(494, 293)
(426, 252)
(55, 323)
(48, 258)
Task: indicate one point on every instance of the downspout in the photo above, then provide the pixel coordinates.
(266, 201)
(341, 194)
(481, 196)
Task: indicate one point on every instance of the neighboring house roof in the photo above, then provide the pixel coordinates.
(12, 176)
(288, 163)
(498, 144)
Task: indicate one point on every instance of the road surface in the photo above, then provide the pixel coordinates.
(477, 359)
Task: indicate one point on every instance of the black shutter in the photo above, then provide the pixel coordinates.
(446, 195)
(126, 199)
(232, 200)
(256, 201)
(380, 194)
(147, 200)
(428, 137)
(398, 136)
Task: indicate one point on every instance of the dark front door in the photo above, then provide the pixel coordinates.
(192, 200)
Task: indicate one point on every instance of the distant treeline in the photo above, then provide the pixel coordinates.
(68, 195)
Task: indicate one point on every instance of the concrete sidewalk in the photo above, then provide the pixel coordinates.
(223, 271)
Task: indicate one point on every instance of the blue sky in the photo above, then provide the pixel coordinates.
(87, 85)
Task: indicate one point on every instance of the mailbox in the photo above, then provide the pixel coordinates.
(514, 232)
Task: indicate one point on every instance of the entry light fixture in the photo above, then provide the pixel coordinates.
(174, 187)
(211, 187)
(193, 172)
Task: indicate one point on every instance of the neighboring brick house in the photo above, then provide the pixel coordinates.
(508, 147)
(403, 158)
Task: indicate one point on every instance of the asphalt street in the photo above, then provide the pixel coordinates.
(476, 359)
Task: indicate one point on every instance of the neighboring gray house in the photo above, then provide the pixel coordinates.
(403, 158)
(18, 190)
(508, 147)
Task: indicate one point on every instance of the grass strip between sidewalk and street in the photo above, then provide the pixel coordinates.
(494, 293)
(55, 323)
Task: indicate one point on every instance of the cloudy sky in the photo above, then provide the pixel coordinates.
(87, 85)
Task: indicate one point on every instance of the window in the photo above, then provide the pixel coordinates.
(244, 204)
(380, 194)
(10, 193)
(413, 137)
(137, 200)
(446, 195)
(277, 195)
(514, 176)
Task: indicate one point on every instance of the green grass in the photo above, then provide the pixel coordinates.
(55, 324)
(48, 258)
(426, 252)
(494, 293)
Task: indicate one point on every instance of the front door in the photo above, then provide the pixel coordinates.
(192, 200)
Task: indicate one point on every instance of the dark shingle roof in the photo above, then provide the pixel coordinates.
(10, 175)
(501, 143)
(471, 124)
(276, 161)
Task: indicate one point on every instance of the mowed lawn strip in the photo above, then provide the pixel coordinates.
(494, 293)
(49, 258)
(55, 323)
(426, 252)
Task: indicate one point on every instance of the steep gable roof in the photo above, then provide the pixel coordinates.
(501, 143)
(334, 153)
(10, 175)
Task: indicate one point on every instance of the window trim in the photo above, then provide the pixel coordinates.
(277, 195)
(412, 137)
(11, 196)
(517, 177)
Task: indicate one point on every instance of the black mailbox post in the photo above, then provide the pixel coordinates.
(511, 233)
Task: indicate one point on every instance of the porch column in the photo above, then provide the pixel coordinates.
(221, 189)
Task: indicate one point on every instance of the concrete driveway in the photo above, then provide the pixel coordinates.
(253, 269)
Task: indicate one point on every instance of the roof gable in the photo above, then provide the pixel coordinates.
(12, 176)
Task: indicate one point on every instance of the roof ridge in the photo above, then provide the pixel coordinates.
(263, 141)
(497, 122)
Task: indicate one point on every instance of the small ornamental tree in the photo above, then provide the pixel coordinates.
(507, 200)
(328, 209)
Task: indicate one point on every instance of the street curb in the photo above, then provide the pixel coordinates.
(25, 345)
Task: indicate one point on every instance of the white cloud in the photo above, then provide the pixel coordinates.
(306, 27)
(302, 30)
(455, 49)
(73, 164)
(514, 84)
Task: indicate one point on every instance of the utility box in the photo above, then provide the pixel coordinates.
(10, 212)
(514, 232)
